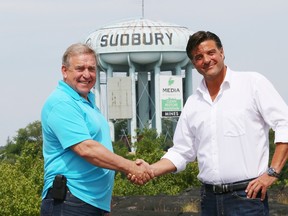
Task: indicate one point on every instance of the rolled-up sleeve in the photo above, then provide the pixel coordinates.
(281, 135)
(273, 108)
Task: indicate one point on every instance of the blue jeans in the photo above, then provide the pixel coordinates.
(232, 204)
(71, 206)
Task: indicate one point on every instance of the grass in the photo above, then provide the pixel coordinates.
(193, 206)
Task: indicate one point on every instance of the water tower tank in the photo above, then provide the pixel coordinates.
(142, 42)
(139, 47)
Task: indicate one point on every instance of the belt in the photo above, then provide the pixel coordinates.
(226, 188)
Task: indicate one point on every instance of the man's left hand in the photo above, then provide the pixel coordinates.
(260, 184)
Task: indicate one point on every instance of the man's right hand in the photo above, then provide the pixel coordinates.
(141, 172)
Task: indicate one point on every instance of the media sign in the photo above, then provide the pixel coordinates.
(171, 95)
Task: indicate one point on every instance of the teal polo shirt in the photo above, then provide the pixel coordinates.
(68, 119)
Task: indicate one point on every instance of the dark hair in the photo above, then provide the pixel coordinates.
(199, 37)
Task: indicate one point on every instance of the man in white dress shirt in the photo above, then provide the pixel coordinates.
(225, 125)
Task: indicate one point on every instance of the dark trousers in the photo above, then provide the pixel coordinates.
(233, 203)
(71, 206)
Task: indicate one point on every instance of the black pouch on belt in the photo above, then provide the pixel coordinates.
(59, 187)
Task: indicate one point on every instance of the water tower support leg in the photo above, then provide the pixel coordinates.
(143, 100)
(188, 82)
(133, 121)
(157, 100)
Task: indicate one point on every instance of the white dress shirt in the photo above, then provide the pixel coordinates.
(229, 136)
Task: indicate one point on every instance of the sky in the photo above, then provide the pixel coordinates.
(35, 33)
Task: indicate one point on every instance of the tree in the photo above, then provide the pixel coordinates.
(21, 178)
(31, 134)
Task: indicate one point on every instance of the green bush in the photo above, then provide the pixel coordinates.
(21, 178)
(20, 186)
(21, 165)
(149, 147)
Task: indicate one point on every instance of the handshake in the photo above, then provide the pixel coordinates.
(140, 172)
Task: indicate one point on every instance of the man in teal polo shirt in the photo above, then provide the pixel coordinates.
(79, 162)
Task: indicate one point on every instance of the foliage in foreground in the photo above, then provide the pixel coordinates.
(150, 148)
(21, 178)
(21, 167)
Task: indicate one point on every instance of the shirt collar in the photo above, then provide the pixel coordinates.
(70, 91)
(227, 80)
(202, 89)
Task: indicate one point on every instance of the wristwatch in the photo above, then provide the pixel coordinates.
(272, 172)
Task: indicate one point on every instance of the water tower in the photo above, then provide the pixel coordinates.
(142, 49)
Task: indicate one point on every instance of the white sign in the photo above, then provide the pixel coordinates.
(119, 97)
(171, 95)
